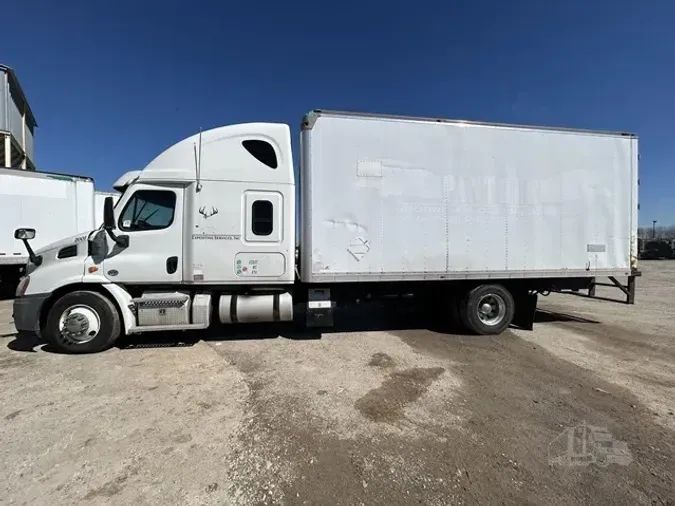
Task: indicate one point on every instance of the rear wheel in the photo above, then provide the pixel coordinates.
(82, 322)
(487, 309)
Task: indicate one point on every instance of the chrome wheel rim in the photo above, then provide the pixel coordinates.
(79, 324)
(491, 309)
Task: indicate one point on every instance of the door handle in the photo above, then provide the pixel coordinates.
(171, 264)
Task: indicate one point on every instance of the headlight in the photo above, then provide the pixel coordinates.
(23, 286)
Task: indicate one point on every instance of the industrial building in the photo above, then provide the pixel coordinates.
(17, 124)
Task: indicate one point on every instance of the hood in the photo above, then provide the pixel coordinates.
(78, 250)
(68, 241)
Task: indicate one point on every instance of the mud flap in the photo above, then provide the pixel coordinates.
(320, 308)
(526, 308)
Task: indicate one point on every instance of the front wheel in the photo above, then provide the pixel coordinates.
(487, 309)
(82, 322)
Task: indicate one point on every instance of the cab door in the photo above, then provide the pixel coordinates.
(152, 217)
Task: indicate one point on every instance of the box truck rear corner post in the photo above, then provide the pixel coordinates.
(468, 219)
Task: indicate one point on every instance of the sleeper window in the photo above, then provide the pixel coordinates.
(262, 151)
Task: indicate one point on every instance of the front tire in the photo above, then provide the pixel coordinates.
(82, 322)
(487, 309)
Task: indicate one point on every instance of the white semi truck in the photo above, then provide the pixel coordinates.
(59, 205)
(470, 218)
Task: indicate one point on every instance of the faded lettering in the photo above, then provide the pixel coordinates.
(216, 237)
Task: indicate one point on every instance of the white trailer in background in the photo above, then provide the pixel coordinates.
(58, 205)
(99, 202)
(468, 218)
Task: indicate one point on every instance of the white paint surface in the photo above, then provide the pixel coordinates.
(440, 200)
(55, 206)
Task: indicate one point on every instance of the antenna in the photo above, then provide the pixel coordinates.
(198, 161)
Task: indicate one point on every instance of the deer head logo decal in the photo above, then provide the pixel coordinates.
(207, 214)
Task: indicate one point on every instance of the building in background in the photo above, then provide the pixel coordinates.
(17, 124)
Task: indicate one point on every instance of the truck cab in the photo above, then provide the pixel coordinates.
(206, 227)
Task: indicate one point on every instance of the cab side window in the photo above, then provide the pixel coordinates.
(148, 210)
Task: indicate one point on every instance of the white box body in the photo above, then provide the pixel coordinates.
(390, 199)
(55, 205)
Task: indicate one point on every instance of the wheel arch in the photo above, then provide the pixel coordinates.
(89, 287)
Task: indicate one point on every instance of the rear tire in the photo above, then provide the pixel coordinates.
(487, 309)
(82, 322)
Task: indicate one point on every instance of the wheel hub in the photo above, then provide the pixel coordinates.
(75, 325)
(491, 309)
(79, 324)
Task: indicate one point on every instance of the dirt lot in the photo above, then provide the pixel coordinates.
(365, 417)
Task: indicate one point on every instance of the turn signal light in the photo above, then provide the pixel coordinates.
(92, 269)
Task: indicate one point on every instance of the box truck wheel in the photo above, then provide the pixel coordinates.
(82, 322)
(487, 309)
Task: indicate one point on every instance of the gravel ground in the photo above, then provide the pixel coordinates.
(580, 410)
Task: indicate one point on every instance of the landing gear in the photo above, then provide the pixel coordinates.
(82, 322)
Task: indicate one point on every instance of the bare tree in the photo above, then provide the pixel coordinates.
(662, 232)
(668, 232)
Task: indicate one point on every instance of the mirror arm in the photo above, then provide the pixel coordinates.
(121, 240)
(37, 260)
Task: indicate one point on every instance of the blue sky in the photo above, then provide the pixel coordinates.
(114, 83)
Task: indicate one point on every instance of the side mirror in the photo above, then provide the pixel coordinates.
(24, 234)
(108, 214)
(109, 224)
